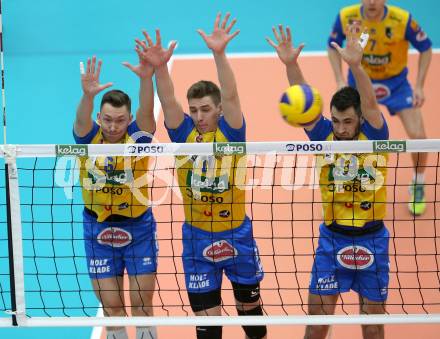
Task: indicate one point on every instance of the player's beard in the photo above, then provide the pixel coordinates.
(354, 137)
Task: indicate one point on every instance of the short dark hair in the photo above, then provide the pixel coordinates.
(345, 98)
(202, 89)
(116, 98)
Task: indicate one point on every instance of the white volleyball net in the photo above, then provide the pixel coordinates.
(44, 277)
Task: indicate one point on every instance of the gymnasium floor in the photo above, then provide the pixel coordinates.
(42, 89)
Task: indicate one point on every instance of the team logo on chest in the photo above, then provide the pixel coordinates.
(355, 257)
(219, 251)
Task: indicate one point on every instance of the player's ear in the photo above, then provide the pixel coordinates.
(98, 118)
(220, 107)
(131, 117)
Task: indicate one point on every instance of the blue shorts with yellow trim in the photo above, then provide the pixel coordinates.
(112, 247)
(395, 93)
(359, 263)
(207, 254)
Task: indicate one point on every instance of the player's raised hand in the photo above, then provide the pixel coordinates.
(353, 51)
(144, 69)
(90, 78)
(221, 35)
(284, 45)
(153, 53)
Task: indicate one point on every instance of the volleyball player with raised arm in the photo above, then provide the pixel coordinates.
(217, 234)
(385, 60)
(352, 251)
(119, 228)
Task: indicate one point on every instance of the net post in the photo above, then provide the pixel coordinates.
(15, 246)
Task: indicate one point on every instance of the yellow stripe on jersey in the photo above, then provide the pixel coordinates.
(386, 54)
(114, 185)
(353, 187)
(212, 199)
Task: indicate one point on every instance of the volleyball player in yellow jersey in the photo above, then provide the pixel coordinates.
(119, 228)
(391, 29)
(352, 251)
(217, 234)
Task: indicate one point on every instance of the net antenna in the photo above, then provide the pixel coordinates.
(3, 75)
(12, 208)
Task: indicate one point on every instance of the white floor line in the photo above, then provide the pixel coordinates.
(203, 56)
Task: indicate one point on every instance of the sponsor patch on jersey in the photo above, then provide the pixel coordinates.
(366, 205)
(388, 32)
(123, 206)
(219, 251)
(114, 236)
(421, 36)
(224, 213)
(355, 257)
(381, 91)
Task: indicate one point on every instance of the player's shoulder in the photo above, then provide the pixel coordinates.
(350, 12)
(398, 14)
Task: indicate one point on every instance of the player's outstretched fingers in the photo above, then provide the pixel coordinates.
(158, 38)
(225, 20)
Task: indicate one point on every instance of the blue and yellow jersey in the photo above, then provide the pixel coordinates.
(114, 184)
(211, 197)
(386, 54)
(353, 186)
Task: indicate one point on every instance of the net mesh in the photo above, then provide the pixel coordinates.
(283, 201)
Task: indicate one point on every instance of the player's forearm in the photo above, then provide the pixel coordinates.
(364, 86)
(145, 114)
(165, 90)
(294, 74)
(424, 62)
(369, 106)
(83, 119)
(336, 64)
(226, 77)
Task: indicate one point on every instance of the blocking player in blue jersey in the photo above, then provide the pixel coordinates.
(391, 30)
(119, 227)
(217, 234)
(352, 252)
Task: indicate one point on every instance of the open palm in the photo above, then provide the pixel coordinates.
(154, 54)
(90, 79)
(220, 36)
(144, 69)
(353, 51)
(284, 46)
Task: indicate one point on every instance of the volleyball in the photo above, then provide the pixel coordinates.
(300, 105)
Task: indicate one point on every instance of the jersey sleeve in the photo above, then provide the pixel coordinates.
(139, 136)
(180, 134)
(337, 35)
(232, 134)
(375, 133)
(87, 139)
(321, 131)
(417, 36)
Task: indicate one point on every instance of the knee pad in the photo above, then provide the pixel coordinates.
(246, 294)
(209, 332)
(203, 301)
(254, 332)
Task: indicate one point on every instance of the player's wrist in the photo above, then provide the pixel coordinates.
(88, 96)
